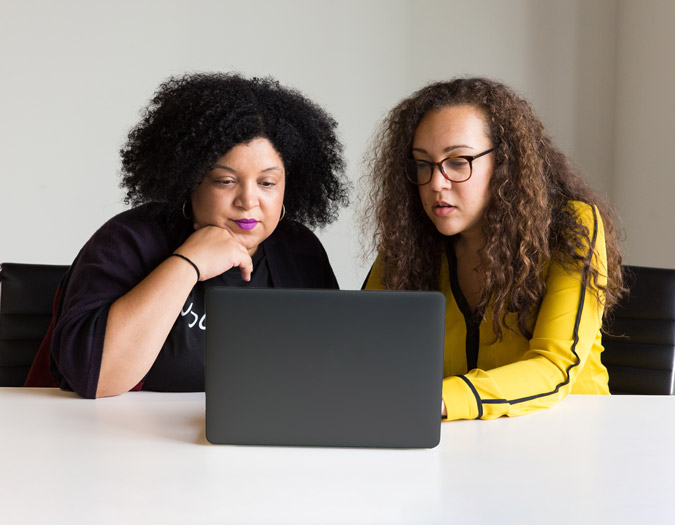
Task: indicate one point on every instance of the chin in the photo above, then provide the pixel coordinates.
(446, 228)
(448, 232)
(245, 240)
(250, 244)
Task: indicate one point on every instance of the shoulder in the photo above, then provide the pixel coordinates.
(587, 214)
(297, 258)
(587, 239)
(147, 225)
(298, 238)
(147, 217)
(136, 238)
(373, 280)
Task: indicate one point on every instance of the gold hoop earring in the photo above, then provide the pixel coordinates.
(185, 214)
(283, 212)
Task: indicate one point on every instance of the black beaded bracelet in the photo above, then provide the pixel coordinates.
(199, 275)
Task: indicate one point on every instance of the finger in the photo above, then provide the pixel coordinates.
(246, 268)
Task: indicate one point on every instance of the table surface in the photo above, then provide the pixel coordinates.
(143, 458)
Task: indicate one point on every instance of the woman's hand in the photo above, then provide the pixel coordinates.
(214, 250)
(139, 321)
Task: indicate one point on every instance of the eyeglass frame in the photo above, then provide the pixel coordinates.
(468, 158)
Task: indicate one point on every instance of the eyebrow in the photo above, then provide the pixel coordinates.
(446, 150)
(231, 170)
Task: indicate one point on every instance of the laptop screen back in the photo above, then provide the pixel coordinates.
(324, 367)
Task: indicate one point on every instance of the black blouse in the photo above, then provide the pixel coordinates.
(121, 254)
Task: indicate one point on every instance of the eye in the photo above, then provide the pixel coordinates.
(421, 164)
(267, 184)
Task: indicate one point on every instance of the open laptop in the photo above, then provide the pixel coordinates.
(324, 367)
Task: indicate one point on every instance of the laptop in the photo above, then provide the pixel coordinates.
(324, 367)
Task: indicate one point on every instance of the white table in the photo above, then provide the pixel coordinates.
(142, 458)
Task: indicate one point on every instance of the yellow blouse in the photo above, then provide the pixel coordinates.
(516, 375)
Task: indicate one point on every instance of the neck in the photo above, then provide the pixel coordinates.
(468, 245)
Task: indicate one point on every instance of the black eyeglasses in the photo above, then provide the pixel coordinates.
(457, 168)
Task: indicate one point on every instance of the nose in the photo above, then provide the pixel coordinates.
(247, 197)
(438, 181)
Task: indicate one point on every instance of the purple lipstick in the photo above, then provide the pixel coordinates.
(246, 224)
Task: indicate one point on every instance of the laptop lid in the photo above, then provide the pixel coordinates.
(324, 367)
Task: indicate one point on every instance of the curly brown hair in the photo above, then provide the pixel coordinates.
(528, 220)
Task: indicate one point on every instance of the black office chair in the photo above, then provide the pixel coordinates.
(640, 348)
(26, 299)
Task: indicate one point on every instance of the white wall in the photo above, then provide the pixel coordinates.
(643, 187)
(76, 73)
(558, 54)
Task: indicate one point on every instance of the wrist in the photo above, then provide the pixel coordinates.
(189, 261)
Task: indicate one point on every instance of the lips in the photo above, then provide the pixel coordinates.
(246, 224)
(443, 209)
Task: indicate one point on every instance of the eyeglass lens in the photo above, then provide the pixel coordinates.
(456, 169)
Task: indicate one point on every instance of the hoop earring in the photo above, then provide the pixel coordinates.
(283, 212)
(185, 214)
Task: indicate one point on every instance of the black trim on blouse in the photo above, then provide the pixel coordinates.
(472, 319)
(577, 322)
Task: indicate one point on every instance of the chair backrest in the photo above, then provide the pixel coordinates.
(640, 350)
(26, 299)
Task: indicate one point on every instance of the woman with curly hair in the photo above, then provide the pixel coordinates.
(470, 197)
(225, 174)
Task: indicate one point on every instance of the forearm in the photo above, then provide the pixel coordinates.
(138, 324)
(512, 390)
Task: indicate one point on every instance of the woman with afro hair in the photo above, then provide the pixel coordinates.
(225, 175)
(471, 197)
